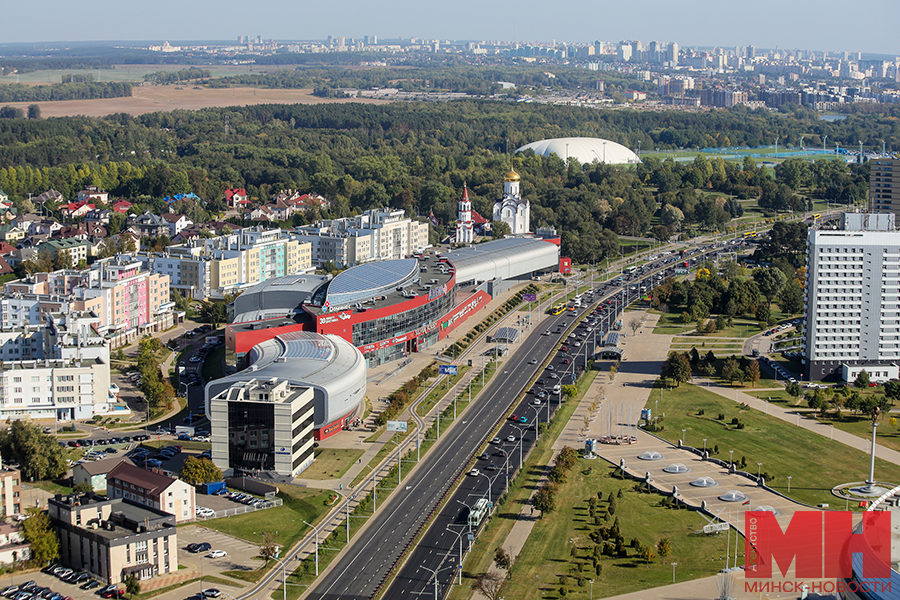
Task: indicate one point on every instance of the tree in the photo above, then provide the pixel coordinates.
(790, 298)
(677, 367)
(752, 372)
(34, 111)
(664, 548)
(769, 281)
(83, 488)
(634, 323)
(499, 229)
(892, 390)
(40, 535)
(490, 584)
(647, 553)
(269, 548)
(862, 380)
(793, 389)
(502, 558)
(198, 470)
(132, 585)
(545, 498)
(569, 391)
(731, 370)
(38, 454)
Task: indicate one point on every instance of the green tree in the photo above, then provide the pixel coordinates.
(793, 389)
(569, 391)
(38, 454)
(752, 373)
(269, 547)
(132, 585)
(41, 537)
(198, 470)
(677, 367)
(34, 111)
(499, 229)
(790, 298)
(83, 488)
(664, 548)
(545, 498)
(648, 554)
(770, 281)
(862, 380)
(731, 370)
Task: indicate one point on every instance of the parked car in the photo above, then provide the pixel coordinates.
(217, 554)
(201, 547)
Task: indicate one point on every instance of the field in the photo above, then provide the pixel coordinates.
(331, 463)
(174, 97)
(815, 463)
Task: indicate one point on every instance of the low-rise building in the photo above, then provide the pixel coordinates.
(95, 472)
(147, 488)
(13, 547)
(112, 538)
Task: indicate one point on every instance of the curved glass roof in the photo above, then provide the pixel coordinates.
(306, 345)
(371, 279)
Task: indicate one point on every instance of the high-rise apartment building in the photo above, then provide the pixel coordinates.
(884, 185)
(853, 298)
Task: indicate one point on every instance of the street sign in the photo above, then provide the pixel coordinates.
(447, 369)
(529, 297)
(396, 426)
(715, 527)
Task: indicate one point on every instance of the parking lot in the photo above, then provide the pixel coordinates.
(241, 555)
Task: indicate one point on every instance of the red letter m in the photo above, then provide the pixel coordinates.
(766, 544)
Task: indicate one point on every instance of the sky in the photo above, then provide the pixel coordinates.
(810, 25)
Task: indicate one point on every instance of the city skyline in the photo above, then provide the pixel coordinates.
(765, 25)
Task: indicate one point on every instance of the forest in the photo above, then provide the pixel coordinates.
(75, 88)
(417, 156)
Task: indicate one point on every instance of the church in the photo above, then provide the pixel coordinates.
(512, 209)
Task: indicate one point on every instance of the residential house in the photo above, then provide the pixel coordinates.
(177, 223)
(5, 269)
(149, 225)
(262, 213)
(77, 249)
(49, 196)
(122, 206)
(311, 201)
(10, 491)
(4, 197)
(186, 236)
(13, 547)
(6, 249)
(98, 215)
(236, 198)
(112, 538)
(44, 227)
(8, 212)
(95, 472)
(75, 209)
(92, 192)
(11, 233)
(282, 210)
(163, 493)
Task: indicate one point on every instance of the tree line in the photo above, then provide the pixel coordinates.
(75, 90)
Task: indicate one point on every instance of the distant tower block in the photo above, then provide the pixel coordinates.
(465, 228)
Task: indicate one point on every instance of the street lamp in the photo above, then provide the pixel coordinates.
(521, 436)
(284, 574)
(435, 574)
(459, 539)
(731, 458)
(317, 548)
(758, 471)
(683, 431)
(789, 483)
(592, 589)
(469, 508)
(674, 564)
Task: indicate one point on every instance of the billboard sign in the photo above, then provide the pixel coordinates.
(447, 370)
(529, 297)
(396, 426)
(565, 266)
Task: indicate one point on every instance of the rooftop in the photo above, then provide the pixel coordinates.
(154, 483)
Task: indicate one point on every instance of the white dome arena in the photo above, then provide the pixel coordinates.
(585, 150)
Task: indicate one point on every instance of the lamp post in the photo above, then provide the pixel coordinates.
(435, 574)
(469, 508)
(284, 572)
(674, 564)
(789, 483)
(459, 539)
(521, 435)
(758, 471)
(683, 431)
(731, 458)
(592, 589)
(704, 445)
(317, 549)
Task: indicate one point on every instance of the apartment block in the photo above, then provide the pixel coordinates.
(112, 538)
(221, 265)
(10, 491)
(853, 296)
(884, 185)
(377, 234)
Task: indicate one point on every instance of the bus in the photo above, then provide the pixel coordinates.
(630, 270)
(558, 309)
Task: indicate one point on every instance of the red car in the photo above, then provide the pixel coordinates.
(564, 349)
(565, 361)
(513, 418)
(113, 594)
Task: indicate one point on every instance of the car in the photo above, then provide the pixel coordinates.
(523, 419)
(543, 394)
(873, 384)
(510, 438)
(551, 368)
(566, 361)
(513, 418)
(9, 591)
(492, 467)
(483, 456)
(501, 452)
(112, 451)
(201, 547)
(113, 594)
(533, 361)
(553, 376)
(496, 440)
(474, 472)
(541, 381)
(211, 593)
(564, 349)
(89, 585)
(546, 332)
(537, 402)
(217, 554)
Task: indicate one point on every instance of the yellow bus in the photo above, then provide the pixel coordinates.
(558, 309)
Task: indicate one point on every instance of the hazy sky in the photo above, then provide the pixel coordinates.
(815, 25)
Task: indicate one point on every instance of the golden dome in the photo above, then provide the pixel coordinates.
(512, 176)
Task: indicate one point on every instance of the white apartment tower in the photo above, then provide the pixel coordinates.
(465, 228)
(853, 298)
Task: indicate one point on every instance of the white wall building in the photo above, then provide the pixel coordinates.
(512, 209)
(465, 228)
(853, 296)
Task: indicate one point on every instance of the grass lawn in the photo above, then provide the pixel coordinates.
(670, 324)
(332, 463)
(300, 504)
(548, 555)
(780, 397)
(816, 463)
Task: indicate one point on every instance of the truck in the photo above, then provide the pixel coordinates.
(212, 488)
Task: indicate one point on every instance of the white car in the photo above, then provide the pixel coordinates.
(511, 438)
(474, 472)
(217, 554)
